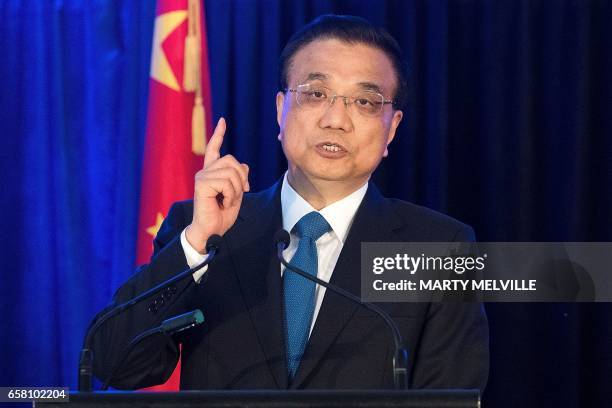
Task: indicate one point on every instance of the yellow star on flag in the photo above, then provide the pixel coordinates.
(152, 230)
(161, 70)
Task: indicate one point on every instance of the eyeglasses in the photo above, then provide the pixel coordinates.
(367, 103)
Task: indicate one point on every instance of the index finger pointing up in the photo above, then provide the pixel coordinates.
(213, 149)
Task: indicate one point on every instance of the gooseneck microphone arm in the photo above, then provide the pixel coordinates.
(86, 359)
(400, 358)
(169, 326)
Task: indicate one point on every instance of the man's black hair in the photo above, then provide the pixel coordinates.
(352, 30)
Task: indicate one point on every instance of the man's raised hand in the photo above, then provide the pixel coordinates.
(219, 188)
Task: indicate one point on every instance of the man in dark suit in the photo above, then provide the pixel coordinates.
(342, 90)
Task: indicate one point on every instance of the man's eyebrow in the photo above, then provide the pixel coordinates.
(316, 76)
(319, 76)
(370, 86)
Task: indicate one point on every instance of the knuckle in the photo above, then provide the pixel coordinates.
(235, 173)
(234, 162)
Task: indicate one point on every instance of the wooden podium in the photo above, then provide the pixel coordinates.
(273, 399)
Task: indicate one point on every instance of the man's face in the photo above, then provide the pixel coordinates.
(361, 140)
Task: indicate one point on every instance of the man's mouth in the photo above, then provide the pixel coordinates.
(331, 147)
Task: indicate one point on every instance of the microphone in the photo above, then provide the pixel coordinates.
(400, 358)
(169, 326)
(181, 322)
(86, 359)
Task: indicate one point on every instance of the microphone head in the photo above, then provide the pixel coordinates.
(198, 317)
(282, 237)
(214, 241)
(182, 322)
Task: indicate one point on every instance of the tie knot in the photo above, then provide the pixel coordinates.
(312, 225)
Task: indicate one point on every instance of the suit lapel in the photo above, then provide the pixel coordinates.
(258, 273)
(374, 222)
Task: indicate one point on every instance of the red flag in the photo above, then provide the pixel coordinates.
(178, 120)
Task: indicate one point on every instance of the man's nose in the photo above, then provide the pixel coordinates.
(336, 115)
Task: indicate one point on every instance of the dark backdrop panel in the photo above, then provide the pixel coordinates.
(509, 129)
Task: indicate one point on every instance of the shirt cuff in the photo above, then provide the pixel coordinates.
(193, 257)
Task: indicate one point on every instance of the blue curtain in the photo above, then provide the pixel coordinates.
(509, 129)
(73, 106)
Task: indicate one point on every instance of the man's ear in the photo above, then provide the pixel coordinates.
(280, 101)
(395, 121)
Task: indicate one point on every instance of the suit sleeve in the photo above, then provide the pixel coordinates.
(454, 345)
(154, 359)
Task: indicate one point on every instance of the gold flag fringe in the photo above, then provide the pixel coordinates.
(198, 124)
(192, 78)
(191, 60)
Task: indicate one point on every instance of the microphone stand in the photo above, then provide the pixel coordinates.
(86, 359)
(400, 358)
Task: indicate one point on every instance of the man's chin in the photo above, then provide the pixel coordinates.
(327, 174)
(331, 176)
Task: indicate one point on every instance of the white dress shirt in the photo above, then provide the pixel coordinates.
(340, 217)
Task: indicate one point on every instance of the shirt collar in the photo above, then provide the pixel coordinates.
(339, 215)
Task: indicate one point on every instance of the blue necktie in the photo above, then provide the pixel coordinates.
(299, 292)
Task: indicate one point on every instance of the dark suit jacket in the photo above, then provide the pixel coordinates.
(241, 343)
